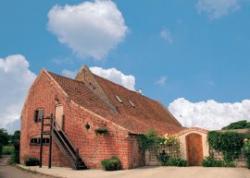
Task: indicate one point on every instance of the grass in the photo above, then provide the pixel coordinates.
(8, 150)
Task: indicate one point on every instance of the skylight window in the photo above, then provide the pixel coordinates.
(131, 103)
(118, 98)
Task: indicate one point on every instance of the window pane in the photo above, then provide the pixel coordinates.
(36, 115)
(40, 114)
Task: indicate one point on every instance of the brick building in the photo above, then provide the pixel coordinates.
(94, 119)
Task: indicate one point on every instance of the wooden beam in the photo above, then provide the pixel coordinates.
(41, 143)
(50, 141)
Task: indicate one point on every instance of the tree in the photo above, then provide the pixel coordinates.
(15, 141)
(238, 125)
(15, 137)
(4, 139)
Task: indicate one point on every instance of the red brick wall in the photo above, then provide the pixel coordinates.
(41, 94)
(93, 148)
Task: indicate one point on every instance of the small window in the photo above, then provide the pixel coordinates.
(38, 115)
(32, 141)
(118, 98)
(37, 141)
(46, 140)
(131, 103)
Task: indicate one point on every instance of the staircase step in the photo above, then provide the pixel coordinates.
(81, 166)
(68, 149)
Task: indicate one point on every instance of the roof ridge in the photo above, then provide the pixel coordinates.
(68, 78)
(114, 83)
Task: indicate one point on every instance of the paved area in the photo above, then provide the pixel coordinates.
(7, 171)
(4, 160)
(13, 172)
(148, 172)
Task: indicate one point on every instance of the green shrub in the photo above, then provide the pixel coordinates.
(111, 164)
(7, 150)
(229, 164)
(229, 143)
(1, 148)
(211, 162)
(16, 154)
(14, 157)
(177, 162)
(149, 140)
(246, 150)
(166, 160)
(163, 158)
(31, 161)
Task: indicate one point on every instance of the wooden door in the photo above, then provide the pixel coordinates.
(59, 116)
(194, 149)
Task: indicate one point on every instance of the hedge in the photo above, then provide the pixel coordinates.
(111, 164)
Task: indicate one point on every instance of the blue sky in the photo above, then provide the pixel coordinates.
(173, 48)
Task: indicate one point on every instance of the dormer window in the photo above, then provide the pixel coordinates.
(131, 103)
(118, 98)
(38, 114)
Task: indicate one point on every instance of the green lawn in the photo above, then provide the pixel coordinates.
(8, 150)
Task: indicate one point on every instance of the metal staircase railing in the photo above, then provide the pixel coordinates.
(64, 144)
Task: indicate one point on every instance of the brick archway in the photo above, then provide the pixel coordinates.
(194, 149)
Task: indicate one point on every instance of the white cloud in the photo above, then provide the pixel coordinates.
(209, 114)
(69, 73)
(217, 8)
(161, 81)
(15, 79)
(166, 35)
(90, 29)
(128, 81)
(116, 76)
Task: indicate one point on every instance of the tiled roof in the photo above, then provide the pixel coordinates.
(78, 92)
(146, 113)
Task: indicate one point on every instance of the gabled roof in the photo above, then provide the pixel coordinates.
(82, 95)
(146, 113)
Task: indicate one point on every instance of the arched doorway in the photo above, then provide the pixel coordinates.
(194, 149)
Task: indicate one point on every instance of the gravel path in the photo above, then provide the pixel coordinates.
(4, 160)
(13, 172)
(149, 172)
(7, 171)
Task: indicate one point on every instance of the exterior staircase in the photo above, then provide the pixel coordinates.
(67, 148)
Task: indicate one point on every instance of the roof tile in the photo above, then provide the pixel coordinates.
(145, 115)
